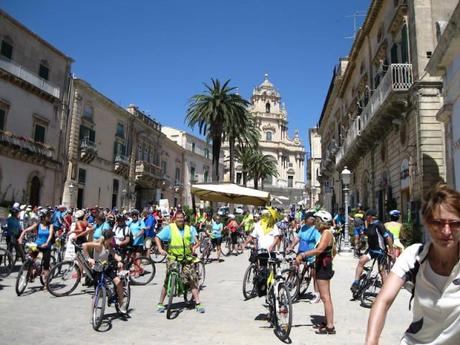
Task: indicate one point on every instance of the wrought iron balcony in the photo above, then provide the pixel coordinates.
(25, 148)
(121, 164)
(147, 174)
(88, 150)
(25, 75)
(386, 103)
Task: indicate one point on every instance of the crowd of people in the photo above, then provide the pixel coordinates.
(433, 268)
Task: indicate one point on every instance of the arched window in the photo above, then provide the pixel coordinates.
(268, 136)
(267, 107)
(34, 193)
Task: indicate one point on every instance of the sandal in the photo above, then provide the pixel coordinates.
(326, 330)
(319, 325)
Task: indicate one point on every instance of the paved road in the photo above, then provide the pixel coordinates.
(38, 318)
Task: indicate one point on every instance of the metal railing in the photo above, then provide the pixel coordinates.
(121, 159)
(26, 144)
(143, 167)
(87, 144)
(397, 78)
(24, 74)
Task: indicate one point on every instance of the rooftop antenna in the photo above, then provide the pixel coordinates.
(355, 16)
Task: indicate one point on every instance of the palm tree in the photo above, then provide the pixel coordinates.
(245, 156)
(216, 111)
(261, 167)
(242, 136)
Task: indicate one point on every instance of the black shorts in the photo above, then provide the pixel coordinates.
(110, 273)
(234, 237)
(324, 271)
(216, 241)
(46, 257)
(137, 249)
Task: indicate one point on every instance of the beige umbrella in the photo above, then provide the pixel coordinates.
(230, 193)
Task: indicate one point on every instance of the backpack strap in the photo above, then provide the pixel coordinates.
(411, 275)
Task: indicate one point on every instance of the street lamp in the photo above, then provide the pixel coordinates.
(346, 177)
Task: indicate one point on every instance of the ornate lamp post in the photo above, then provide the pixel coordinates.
(346, 177)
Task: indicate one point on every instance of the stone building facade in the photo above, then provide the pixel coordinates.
(445, 62)
(34, 83)
(313, 167)
(288, 154)
(197, 160)
(116, 157)
(379, 118)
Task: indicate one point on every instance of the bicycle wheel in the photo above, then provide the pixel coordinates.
(291, 281)
(156, 256)
(99, 298)
(370, 292)
(226, 247)
(304, 281)
(63, 278)
(239, 245)
(282, 312)
(142, 270)
(172, 285)
(23, 277)
(6, 263)
(249, 288)
(201, 272)
(126, 295)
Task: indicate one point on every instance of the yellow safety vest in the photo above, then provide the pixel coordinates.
(180, 245)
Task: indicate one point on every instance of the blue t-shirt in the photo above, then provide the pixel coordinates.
(308, 238)
(56, 219)
(42, 235)
(14, 226)
(99, 230)
(91, 219)
(216, 230)
(136, 228)
(150, 222)
(339, 219)
(165, 234)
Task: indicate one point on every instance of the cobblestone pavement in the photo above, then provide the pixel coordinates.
(38, 318)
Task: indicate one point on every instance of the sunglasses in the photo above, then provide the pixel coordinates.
(440, 224)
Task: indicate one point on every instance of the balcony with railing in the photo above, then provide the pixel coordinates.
(88, 150)
(121, 164)
(20, 72)
(147, 174)
(25, 148)
(386, 103)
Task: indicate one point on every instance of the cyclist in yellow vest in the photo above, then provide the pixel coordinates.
(394, 226)
(183, 241)
(247, 222)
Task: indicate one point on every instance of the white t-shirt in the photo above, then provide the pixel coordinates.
(264, 241)
(120, 233)
(436, 312)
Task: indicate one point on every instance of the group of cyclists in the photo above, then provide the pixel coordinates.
(109, 235)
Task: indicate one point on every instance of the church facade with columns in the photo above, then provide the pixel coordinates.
(288, 153)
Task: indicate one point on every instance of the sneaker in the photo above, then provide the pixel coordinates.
(354, 288)
(161, 308)
(199, 308)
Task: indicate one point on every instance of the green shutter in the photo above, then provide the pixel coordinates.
(404, 45)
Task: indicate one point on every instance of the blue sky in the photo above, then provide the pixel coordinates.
(157, 54)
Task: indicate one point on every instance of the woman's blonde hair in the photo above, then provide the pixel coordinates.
(441, 194)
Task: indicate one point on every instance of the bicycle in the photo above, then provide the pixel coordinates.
(65, 276)
(206, 247)
(226, 246)
(370, 281)
(176, 287)
(155, 253)
(338, 234)
(30, 269)
(278, 300)
(141, 269)
(249, 279)
(105, 292)
(297, 279)
(6, 263)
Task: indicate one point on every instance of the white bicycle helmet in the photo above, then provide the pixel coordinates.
(324, 216)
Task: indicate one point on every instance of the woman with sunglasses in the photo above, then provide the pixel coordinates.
(434, 271)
